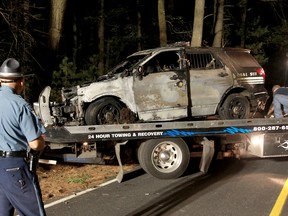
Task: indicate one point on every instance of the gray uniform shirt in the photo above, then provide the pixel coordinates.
(18, 123)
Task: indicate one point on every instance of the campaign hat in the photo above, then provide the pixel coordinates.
(11, 68)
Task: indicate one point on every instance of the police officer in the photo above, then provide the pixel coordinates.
(20, 131)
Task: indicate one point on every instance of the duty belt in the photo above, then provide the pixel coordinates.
(9, 154)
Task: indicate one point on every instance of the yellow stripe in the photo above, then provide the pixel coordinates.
(277, 209)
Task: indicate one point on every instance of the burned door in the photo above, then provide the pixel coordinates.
(209, 80)
(161, 93)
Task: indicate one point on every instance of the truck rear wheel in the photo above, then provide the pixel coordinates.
(164, 158)
(103, 111)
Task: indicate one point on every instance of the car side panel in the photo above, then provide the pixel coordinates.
(161, 96)
(117, 87)
(207, 89)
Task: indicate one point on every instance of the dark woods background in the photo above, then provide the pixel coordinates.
(88, 49)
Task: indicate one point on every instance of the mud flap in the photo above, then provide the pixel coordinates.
(44, 110)
(120, 175)
(207, 154)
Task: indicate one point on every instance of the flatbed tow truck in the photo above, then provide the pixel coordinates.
(164, 148)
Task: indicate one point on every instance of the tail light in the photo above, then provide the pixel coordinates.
(261, 72)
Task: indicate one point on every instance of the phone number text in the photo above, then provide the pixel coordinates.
(271, 128)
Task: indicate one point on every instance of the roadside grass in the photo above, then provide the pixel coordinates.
(81, 179)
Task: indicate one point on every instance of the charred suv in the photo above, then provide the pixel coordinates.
(165, 84)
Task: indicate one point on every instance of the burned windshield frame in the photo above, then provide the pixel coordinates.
(128, 63)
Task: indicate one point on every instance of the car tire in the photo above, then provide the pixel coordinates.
(103, 111)
(235, 106)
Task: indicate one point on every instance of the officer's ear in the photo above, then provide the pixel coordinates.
(19, 85)
(21, 80)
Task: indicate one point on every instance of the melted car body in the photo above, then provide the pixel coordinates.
(165, 84)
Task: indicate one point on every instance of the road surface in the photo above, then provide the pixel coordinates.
(234, 187)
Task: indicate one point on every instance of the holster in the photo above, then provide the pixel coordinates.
(33, 158)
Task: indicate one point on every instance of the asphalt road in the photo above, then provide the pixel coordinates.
(251, 187)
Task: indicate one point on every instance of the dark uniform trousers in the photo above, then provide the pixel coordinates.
(19, 189)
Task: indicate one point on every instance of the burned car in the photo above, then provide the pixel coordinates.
(176, 82)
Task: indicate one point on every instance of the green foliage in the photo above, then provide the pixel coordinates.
(63, 75)
(256, 40)
(277, 35)
(68, 75)
(91, 67)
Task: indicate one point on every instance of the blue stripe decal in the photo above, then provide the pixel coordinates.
(229, 130)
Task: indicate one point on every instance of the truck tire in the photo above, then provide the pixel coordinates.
(235, 106)
(164, 158)
(103, 111)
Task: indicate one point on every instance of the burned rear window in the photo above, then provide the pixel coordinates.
(243, 59)
(203, 61)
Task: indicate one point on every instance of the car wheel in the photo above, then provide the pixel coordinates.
(103, 111)
(164, 158)
(236, 106)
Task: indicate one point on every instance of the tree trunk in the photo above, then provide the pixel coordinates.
(26, 22)
(26, 48)
(243, 23)
(218, 32)
(49, 58)
(101, 39)
(196, 40)
(162, 23)
(56, 23)
(75, 39)
(139, 32)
